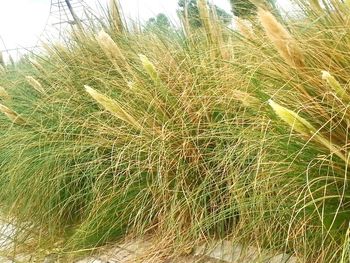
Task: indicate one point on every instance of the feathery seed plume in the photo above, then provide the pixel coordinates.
(244, 27)
(12, 115)
(335, 85)
(116, 15)
(149, 68)
(35, 84)
(293, 119)
(112, 51)
(3, 93)
(112, 106)
(246, 99)
(36, 64)
(204, 14)
(280, 37)
(109, 47)
(302, 126)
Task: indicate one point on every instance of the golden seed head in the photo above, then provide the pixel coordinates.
(112, 106)
(149, 68)
(35, 84)
(244, 27)
(115, 14)
(203, 10)
(334, 84)
(3, 93)
(302, 126)
(12, 115)
(297, 123)
(36, 64)
(246, 99)
(109, 47)
(280, 37)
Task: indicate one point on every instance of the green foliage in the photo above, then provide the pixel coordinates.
(191, 8)
(243, 8)
(160, 22)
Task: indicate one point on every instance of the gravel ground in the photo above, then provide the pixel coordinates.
(220, 252)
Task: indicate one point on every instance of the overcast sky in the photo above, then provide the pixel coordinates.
(22, 21)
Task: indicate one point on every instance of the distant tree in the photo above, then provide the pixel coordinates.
(193, 13)
(190, 6)
(242, 8)
(246, 8)
(160, 22)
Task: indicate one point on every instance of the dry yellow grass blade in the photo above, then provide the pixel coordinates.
(113, 107)
(280, 37)
(316, 4)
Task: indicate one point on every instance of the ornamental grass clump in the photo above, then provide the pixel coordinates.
(179, 145)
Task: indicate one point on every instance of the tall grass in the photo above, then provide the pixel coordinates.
(169, 135)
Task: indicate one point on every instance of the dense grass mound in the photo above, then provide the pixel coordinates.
(185, 136)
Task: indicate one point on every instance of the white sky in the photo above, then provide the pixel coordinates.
(23, 21)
